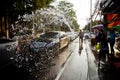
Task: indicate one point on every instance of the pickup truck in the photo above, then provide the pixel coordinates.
(7, 52)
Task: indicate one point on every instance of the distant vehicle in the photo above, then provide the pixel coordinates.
(117, 44)
(86, 35)
(92, 37)
(118, 34)
(8, 50)
(71, 35)
(50, 42)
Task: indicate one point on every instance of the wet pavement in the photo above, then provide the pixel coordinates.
(69, 65)
(92, 63)
(84, 66)
(76, 67)
(80, 66)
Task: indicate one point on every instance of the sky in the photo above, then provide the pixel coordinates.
(82, 9)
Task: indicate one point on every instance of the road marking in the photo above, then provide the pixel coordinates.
(64, 66)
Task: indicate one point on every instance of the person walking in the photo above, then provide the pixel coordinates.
(80, 40)
(112, 41)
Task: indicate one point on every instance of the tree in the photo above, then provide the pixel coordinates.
(53, 18)
(68, 11)
(14, 8)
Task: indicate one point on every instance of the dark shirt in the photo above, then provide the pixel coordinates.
(112, 37)
(103, 41)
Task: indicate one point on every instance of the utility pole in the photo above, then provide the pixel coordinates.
(90, 15)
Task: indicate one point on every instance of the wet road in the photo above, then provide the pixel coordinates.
(84, 66)
(79, 66)
(76, 67)
(69, 65)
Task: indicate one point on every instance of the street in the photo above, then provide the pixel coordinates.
(41, 40)
(68, 65)
(80, 66)
(77, 66)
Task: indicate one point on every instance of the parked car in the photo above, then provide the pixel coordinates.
(8, 49)
(71, 35)
(50, 42)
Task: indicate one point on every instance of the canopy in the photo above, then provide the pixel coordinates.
(110, 6)
(98, 26)
(116, 27)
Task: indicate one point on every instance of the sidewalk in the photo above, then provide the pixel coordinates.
(111, 72)
(92, 63)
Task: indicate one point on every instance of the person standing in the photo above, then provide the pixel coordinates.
(97, 37)
(97, 40)
(104, 49)
(112, 41)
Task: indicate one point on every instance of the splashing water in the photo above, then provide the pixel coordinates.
(49, 16)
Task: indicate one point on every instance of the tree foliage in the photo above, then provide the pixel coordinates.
(67, 8)
(13, 8)
(69, 13)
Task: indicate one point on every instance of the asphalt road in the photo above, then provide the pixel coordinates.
(79, 66)
(69, 65)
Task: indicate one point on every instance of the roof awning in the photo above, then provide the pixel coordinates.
(116, 27)
(113, 20)
(110, 6)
